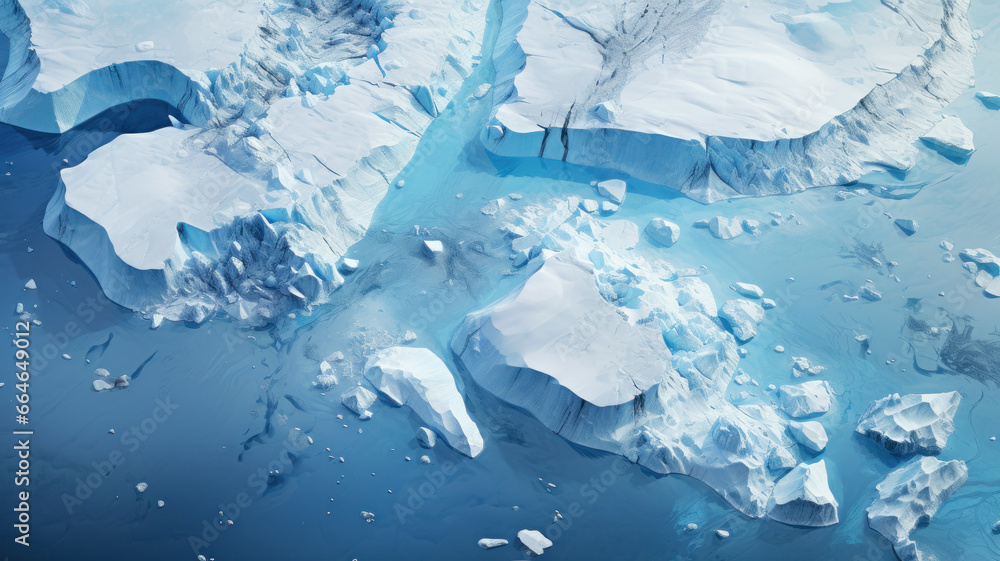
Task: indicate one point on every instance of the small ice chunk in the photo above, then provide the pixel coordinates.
(30, 285)
(19, 309)
(807, 398)
(122, 381)
(801, 364)
(493, 207)
(768, 304)
(748, 290)
(160, 503)
(144, 46)
(724, 228)
(691, 527)
(751, 227)
(491, 543)
(348, 266)
(365, 415)
(810, 434)
(534, 540)
(425, 459)
(742, 318)
(101, 372)
(433, 248)
(481, 90)
(869, 293)
(101, 385)
(946, 245)
(589, 205)
(156, 321)
(803, 497)
(721, 534)
(613, 190)
(608, 207)
(409, 336)
(950, 137)
(663, 231)
(426, 437)
(358, 399)
(989, 99)
(141, 487)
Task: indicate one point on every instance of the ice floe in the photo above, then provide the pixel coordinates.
(911, 423)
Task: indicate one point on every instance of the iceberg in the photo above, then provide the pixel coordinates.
(534, 540)
(910, 496)
(911, 423)
(803, 497)
(807, 398)
(717, 115)
(725, 228)
(810, 434)
(417, 378)
(950, 137)
(742, 318)
(989, 99)
(663, 231)
(358, 399)
(207, 216)
(588, 370)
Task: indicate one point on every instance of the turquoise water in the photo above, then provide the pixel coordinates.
(239, 393)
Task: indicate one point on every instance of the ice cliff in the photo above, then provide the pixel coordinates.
(723, 98)
(293, 118)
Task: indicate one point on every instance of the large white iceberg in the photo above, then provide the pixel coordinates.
(911, 423)
(417, 378)
(602, 375)
(722, 98)
(910, 496)
(803, 497)
(292, 119)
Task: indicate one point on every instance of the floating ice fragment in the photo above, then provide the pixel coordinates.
(911, 423)
(30, 285)
(101, 372)
(589, 205)
(141, 487)
(101, 385)
(803, 497)
(989, 99)
(742, 318)
(810, 434)
(534, 540)
(426, 437)
(432, 248)
(950, 137)
(807, 398)
(748, 290)
(348, 266)
(358, 399)
(663, 231)
(491, 543)
(907, 225)
(613, 190)
(721, 534)
(724, 228)
(144, 46)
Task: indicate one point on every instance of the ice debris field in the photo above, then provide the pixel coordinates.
(473, 279)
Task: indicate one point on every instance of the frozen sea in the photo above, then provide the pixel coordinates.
(213, 410)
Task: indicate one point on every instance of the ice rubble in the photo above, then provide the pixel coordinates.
(417, 378)
(721, 98)
(807, 398)
(742, 317)
(910, 496)
(911, 423)
(624, 356)
(803, 497)
(255, 199)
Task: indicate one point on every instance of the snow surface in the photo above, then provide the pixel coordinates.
(417, 378)
(910, 496)
(297, 134)
(588, 370)
(911, 423)
(718, 98)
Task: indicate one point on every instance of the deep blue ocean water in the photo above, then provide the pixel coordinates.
(234, 395)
